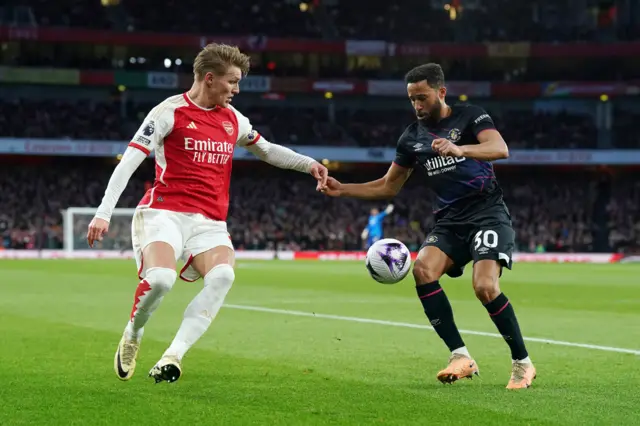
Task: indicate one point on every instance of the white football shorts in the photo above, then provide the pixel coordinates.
(188, 233)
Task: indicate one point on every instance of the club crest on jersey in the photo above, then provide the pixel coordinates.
(454, 135)
(228, 126)
(149, 128)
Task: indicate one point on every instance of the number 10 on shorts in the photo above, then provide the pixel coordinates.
(487, 238)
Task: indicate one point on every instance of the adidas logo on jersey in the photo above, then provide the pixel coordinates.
(192, 125)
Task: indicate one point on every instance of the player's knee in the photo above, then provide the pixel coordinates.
(425, 272)
(220, 277)
(486, 287)
(161, 279)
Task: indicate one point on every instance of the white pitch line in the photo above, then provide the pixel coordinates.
(426, 327)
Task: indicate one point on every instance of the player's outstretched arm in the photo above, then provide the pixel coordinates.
(389, 209)
(386, 187)
(131, 160)
(157, 124)
(491, 147)
(285, 158)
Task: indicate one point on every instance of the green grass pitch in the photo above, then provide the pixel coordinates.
(306, 357)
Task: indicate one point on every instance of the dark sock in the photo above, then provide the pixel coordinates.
(438, 309)
(504, 317)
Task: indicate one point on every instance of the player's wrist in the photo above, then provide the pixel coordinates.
(311, 164)
(103, 215)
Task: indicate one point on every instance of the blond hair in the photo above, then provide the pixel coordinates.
(217, 58)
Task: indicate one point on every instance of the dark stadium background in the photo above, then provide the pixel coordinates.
(310, 342)
(561, 80)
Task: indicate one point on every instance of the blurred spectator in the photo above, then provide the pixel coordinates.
(543, 130)
(413, 20)
(289, 125)
(626, 134)
(550, 213)
(624, 215)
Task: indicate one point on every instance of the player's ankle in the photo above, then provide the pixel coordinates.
(526, 360)
(461, 351)
(176, 350)
(132, 333)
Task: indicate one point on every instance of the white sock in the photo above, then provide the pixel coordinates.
(202, 309)
(462, 351)
(149, 294)
(527, 360)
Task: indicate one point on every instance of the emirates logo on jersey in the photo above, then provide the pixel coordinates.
(228, 126)
(208, 151)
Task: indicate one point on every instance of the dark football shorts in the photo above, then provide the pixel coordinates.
(491, 237)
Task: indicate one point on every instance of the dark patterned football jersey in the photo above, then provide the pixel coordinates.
(463, 187)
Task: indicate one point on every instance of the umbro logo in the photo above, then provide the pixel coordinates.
(418, 146)
(192, 125)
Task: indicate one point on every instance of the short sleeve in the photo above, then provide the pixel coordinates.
(155, 127)
(247, 135)
(479, 120)
(404, 157)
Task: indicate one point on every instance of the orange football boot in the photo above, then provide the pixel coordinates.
(460, 367)
(522, 375)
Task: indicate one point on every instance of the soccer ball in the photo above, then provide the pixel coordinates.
(388, 261)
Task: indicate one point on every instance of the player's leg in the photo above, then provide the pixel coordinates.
(215, 265)
(159, 275)
(492, 250)
(371, 239)
(434, 260)
(154, 236)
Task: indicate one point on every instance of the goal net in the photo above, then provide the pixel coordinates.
(116, 242)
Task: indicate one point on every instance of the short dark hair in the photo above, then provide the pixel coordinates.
(431, 72)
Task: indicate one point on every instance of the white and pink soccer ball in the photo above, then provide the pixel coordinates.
(388, 261)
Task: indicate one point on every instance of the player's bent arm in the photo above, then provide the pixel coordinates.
(491, 147)
(386, 187)
(131, 160)
(281, 156)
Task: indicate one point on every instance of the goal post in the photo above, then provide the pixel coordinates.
(76, 220)
(117, 242)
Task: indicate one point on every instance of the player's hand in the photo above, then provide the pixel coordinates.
(321, 174)
(446, 148)
(332, 188)
(97, 228)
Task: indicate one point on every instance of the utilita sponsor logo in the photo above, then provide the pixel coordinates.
(438, 165)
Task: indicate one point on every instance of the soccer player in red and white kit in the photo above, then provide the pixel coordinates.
(183, 215)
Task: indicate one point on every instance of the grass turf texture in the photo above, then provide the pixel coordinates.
(60, 322)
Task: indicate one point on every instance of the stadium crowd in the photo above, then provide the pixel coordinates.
(549, 213)
(393, 22)
(500, 20)
(295, 126)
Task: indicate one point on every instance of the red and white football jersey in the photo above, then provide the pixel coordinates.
(193, 152)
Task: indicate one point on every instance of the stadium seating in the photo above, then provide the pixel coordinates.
(396, 21)
(550, 213)
(291, 126)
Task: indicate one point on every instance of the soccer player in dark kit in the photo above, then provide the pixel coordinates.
(453, 145)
